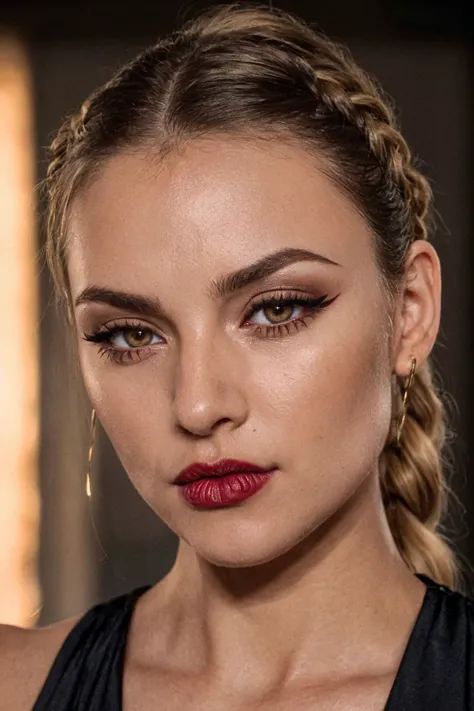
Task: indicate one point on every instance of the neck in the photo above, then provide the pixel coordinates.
(340, 602)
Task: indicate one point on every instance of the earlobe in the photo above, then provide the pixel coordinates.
(419, 307)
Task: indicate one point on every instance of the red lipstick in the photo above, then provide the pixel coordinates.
(223, 483)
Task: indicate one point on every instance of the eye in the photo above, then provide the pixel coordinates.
(132, 338)
(269, 317)
(281, 313)
(278, 312)
(124, 342)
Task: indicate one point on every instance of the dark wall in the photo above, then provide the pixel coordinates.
(108, 19)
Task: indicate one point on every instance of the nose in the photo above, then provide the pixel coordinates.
(209, 387)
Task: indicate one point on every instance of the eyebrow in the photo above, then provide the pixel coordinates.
(219, 288)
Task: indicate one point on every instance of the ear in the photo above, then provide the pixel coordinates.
(419, 307)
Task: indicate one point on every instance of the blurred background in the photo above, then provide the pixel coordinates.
(59, 551)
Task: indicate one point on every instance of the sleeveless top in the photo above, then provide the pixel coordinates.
(436, 672)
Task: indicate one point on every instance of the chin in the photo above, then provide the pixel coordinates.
(242, 549)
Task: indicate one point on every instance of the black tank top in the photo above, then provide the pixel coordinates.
(435, 674)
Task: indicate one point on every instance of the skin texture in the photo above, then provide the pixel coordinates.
(300, 589)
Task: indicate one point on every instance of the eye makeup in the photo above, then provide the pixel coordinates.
(283, 305)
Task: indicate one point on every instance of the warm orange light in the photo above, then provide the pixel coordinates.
(19, 501)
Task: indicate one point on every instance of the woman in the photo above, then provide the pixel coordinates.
(240, 236)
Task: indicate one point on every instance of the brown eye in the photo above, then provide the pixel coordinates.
(274, 313)
(124, 343)
(137, 337)
(278, 313)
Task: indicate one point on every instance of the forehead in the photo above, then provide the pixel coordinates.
(215, 205)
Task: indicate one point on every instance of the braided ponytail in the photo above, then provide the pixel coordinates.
(413, 486)
(262, 73)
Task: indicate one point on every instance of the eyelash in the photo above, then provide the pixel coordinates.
(313, 307)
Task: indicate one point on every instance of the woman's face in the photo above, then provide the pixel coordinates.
(304, 389)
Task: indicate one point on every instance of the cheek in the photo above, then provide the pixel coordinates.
(132, 413)
(333, 398)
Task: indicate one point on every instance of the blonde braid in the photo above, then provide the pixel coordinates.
(361, 103)
(413, 485)
(60, 185)
(414, 489)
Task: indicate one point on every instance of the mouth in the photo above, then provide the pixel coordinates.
(223, 489)
(221, 468)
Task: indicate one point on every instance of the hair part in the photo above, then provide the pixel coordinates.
(261, 73)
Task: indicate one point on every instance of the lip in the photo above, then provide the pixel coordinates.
(201, 470)
(224, 491)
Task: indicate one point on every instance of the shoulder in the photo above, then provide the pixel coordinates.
(451, 622)
(459, 600)
(26, 656)
(459, 603)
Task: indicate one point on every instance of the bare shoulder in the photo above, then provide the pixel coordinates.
(26, 656)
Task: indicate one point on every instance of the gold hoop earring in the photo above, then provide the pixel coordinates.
(91, 450)
(406, 390)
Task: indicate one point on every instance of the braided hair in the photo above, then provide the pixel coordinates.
(262, 73)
